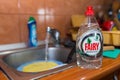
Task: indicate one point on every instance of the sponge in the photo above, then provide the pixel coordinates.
(111, 53)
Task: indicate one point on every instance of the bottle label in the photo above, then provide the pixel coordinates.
(90, 43)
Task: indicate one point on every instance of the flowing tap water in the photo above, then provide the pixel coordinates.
(46, 46)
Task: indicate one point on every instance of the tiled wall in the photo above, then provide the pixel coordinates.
(14, 15)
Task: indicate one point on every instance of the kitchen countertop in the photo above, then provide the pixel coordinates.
(109, 66)
(76, 73)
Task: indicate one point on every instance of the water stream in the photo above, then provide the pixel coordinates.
(46, 46)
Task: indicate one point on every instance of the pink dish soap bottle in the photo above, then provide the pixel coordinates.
(89, 42)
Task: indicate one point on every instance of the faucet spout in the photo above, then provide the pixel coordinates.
(55, 34)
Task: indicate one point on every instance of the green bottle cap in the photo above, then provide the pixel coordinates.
(31, 18)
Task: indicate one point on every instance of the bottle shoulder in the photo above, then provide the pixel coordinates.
(86, 27)
(84, 30)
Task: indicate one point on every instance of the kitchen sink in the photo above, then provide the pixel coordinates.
(13, 59)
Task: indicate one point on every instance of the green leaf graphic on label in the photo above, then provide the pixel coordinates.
(79, 51)
(96, 37)
(88, 41)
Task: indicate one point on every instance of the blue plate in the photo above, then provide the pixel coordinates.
(20, 68)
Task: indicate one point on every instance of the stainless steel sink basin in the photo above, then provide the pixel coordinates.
(17, 57)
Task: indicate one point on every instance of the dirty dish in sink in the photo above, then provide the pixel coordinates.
(40, 65)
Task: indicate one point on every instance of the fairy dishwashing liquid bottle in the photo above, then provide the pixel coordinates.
(89, 42)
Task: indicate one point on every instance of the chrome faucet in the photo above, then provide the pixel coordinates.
(55, 34)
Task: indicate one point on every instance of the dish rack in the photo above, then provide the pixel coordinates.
(111, 38)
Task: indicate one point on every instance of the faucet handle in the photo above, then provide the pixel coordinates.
(57, 35)
(48, 29)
